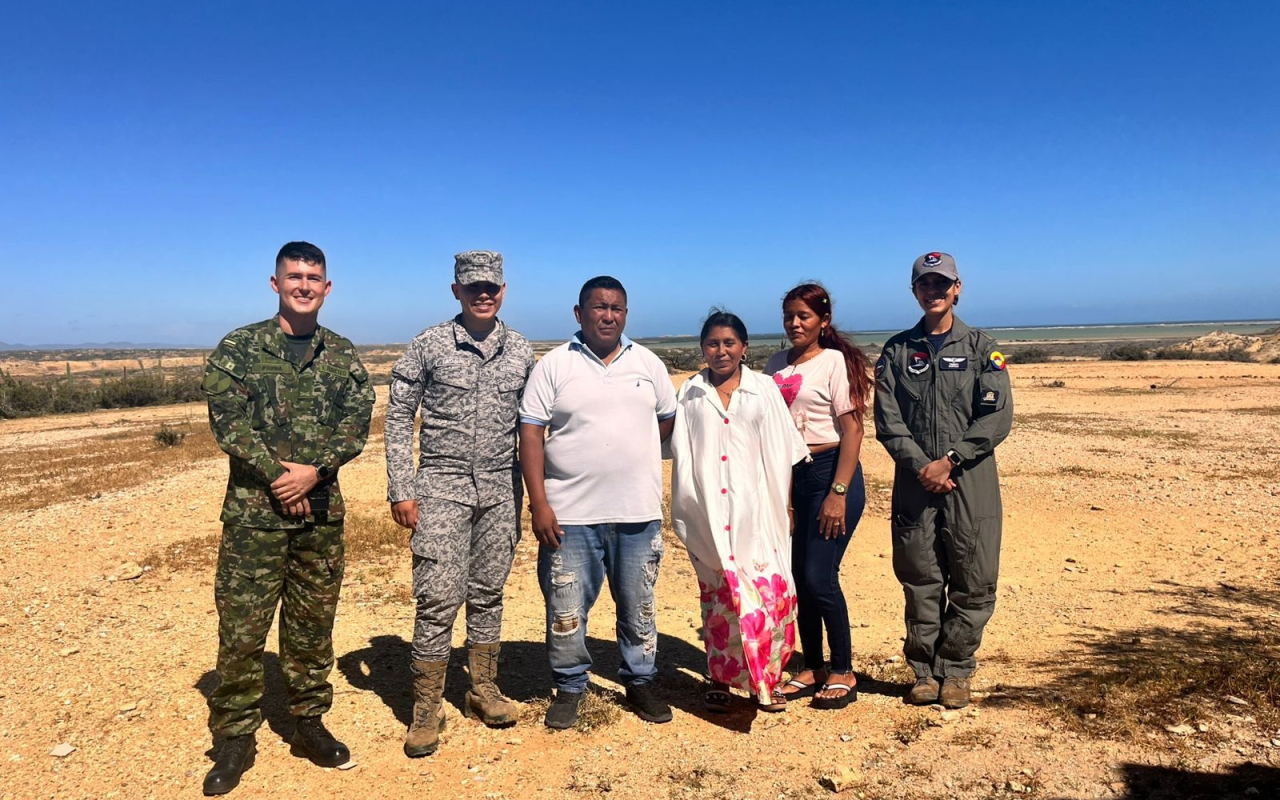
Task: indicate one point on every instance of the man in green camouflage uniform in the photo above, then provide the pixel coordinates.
(289, 402)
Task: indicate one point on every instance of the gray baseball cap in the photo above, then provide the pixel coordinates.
(475, 266)
(941, 263)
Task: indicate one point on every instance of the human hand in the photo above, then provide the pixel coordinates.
(300, 509)
(545, 527)
(294, 484)
(405, 513)
(831, 516)
(936, 476)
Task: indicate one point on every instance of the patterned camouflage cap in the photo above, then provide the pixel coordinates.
(475, 266)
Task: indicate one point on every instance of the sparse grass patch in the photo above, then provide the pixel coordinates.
(978, 736)
(1149, 686)
(1079, 471)
(371, 537)
(1097, 425)
(196, 554)
(1259, 411)
(90, 467)
(600, 709)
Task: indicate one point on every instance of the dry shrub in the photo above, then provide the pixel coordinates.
(910, 729)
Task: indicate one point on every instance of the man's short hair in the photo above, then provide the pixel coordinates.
(305, 252)
(600, 282)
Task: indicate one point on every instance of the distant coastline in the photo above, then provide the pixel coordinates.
(1104, 332)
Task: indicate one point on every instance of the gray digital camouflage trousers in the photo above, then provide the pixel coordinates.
(461, 554)
(300, 570)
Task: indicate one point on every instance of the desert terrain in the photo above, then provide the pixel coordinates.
(1133, 652)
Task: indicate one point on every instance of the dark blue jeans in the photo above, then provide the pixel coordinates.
(815, 561)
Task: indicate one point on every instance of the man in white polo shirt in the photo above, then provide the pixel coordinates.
(594, 414)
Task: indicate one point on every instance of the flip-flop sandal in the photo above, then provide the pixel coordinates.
(779, 701)
(802, 689)
(841, 701)
(717, 699)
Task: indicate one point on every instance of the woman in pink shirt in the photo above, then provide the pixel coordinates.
(825, 380)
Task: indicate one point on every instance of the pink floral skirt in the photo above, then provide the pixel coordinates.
(748, 626)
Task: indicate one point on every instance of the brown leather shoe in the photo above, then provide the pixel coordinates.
(483, 698)
(955, 692)
(423, 736)
(924, 693)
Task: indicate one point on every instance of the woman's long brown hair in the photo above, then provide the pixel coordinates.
(856, 363)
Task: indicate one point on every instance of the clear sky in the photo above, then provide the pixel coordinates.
(1084, 161)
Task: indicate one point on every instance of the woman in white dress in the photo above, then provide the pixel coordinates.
(733, 446)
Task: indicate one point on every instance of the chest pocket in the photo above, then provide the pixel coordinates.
(956, 376)
(330, 381)
(451, 392)
(508, 382)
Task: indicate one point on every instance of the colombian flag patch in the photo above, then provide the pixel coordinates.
(997, 360)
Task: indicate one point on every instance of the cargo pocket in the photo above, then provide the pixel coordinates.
(452, 387)
(913, 556)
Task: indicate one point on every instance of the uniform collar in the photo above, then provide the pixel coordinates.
(462, 337)
(958, 330)
(277, 343)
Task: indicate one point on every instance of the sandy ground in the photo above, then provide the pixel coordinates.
(1140, 504)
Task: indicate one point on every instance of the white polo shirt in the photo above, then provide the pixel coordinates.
(603, 454)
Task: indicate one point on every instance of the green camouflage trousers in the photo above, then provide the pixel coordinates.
(299, 569)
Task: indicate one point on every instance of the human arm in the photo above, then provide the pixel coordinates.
(891, 428)
(355, 409)
(533, 468)
(227, 389)
(993, 407)
(831, 517)
(408, 382)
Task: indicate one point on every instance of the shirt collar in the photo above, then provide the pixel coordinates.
(576, 343)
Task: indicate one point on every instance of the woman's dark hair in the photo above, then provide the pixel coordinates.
(719, 318)
(856, 363)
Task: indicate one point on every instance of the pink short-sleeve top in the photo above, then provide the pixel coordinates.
(816, 391)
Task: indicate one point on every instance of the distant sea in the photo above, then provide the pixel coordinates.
(1176, 331)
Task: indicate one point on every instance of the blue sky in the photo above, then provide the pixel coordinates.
(1085, 162)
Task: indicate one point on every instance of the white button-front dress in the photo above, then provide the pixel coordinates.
(730, 479)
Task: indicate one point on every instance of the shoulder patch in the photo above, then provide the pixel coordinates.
(881, 365)
(229, 365)
(996, 359)
(216, 381)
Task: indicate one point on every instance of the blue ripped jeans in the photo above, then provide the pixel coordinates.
(628, 554)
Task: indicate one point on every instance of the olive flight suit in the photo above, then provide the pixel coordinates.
(946, 547)
(267, 405)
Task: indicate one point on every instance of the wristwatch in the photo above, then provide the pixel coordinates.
(839, 488)
(954, 458)
(322, 472)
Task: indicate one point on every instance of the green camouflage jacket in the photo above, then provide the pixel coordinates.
(266, 407)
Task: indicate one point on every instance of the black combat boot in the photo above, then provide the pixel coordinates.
(233, 760)
(311, 740)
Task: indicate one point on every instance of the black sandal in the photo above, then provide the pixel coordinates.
(802, 689)
(717, 697)
(841, 701)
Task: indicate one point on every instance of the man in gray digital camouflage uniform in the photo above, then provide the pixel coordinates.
(289, 402)
(467, 376)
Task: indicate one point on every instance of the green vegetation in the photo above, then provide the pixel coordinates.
(1237, 354)
(1126, 352)
(1029, 355)
(71, 395)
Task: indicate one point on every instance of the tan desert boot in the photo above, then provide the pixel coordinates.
(955, 692)
(483, 698)
(924, 693)
(428, 711)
